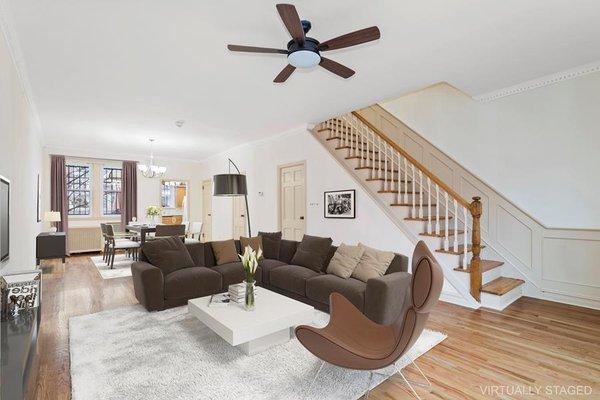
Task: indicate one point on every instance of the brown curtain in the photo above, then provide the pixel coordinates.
(58, 192)
(128, 192)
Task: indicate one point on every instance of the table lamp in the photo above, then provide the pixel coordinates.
(52, 217)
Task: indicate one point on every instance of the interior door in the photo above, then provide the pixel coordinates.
(239, 217)
(292, 200)
(207, 190)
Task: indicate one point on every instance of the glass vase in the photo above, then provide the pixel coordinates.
(249, 304)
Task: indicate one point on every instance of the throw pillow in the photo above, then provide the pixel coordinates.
(344, 261)
(373, 263)
(169, 254)
(271, 242)
(255, 243)
(225, 251)
(312, 252)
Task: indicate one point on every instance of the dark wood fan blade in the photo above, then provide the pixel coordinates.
(291, 20)
(251, 49)
(284, 74)
(351, 39)
(336, 68)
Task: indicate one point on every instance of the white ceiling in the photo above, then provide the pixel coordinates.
(108, 74)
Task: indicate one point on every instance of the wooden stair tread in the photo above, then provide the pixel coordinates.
(382, 169)
(423, 219)
(347, 147)
(502, 285)
(442, 232)
(410, 205)
(340, 138)
(461, 249)
(382, 179)
(395, 191)
(486, 265)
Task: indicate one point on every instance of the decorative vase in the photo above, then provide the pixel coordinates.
(249, 304)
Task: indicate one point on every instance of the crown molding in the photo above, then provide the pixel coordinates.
(539, 82)
(7, 28)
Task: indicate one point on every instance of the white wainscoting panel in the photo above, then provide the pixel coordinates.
(557, 264)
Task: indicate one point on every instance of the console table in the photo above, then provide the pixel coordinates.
(50, 245)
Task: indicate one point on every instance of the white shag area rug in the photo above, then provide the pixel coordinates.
(121, 267)
(129, 353)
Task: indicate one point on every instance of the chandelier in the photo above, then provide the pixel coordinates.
(152, 170)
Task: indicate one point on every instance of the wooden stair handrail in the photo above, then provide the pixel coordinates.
(417, 164)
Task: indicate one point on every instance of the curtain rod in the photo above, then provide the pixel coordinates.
(91, 158)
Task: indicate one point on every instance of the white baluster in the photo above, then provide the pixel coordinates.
(420, 194)
(385, 165)
(399, 179)
(447, 227)
(405, 197)
(379, 151)
(455, 226)
(466, 240)
(374, 159)
(437, 209)
(414, 190)
(429, 228)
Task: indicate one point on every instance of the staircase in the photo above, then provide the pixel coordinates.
(424, 207)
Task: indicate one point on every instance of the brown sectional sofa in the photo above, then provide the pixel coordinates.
(379, 298)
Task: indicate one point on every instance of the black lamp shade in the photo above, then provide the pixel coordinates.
(229, 185)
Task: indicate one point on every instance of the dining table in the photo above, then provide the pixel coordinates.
(142, 230)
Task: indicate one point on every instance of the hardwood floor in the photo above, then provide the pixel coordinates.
(531, 346)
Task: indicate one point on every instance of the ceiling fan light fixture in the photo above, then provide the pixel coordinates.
(304, 59)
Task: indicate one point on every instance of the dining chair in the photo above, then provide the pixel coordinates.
(170, 230)
(195, 229)
(116, 243)
(353, 341)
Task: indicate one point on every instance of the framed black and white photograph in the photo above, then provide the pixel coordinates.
(340, 204)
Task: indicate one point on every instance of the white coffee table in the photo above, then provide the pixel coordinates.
(270, 323)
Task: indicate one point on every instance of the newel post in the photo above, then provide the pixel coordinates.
(475, 268)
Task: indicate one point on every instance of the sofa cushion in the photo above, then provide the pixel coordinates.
(287, 250)
(196, 250)
(255, 243)
(320, 287)
(225, 251)
(271, 242)
(231, 273)
(345, 260)
(189, 283)
(312, 252)
(291, 278)
(373, 263)
(168, 254)
(265, 266)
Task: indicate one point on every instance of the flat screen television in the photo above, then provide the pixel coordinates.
(4, 217)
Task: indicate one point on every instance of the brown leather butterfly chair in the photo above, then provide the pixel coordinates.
(353, 341)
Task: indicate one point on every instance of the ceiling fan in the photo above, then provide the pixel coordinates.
(305, 52)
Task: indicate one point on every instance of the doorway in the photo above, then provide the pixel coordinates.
(239, 217)
(207, 191)
(292, 200)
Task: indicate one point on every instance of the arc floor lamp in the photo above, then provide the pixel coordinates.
(232, 185)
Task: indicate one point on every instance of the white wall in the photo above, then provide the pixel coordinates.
(260, 161)
(540, 148)
(148, 189)
(20, 162)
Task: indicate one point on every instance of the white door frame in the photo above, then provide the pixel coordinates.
(279, 168)
(205, 225)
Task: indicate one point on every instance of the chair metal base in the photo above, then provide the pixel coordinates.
(408, 382)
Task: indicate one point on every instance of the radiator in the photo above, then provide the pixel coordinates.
(82, 240)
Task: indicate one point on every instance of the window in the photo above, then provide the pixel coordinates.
(111, 191)
(79, 195)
